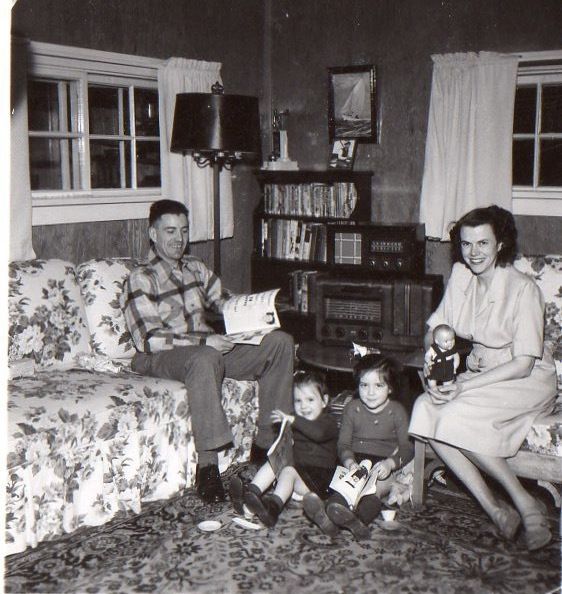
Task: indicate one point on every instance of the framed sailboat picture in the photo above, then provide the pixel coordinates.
(352, 111)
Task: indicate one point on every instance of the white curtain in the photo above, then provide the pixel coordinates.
(21, 247)
(469, 138)
(182, 179)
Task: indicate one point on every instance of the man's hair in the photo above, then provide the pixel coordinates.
(163, 207)
(503, 226)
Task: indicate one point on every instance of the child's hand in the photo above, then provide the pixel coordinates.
(384, 468)
(351, 464)
(277, 416)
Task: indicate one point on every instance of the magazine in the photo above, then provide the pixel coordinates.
(355, 484)
(248, 318)
(280, 454)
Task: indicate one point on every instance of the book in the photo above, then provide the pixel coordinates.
(280, 454)
(353, 485)
(248, 318)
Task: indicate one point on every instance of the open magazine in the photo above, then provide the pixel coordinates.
(248, 318)
(355, 484)
(280, 454)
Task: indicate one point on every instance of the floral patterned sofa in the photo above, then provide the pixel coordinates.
(87, 437)
(540, 456)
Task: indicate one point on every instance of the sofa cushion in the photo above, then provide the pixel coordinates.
(547, 272)
(84, 445)
(101, 283)
(46, 313)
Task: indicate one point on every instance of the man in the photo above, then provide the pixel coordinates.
(164, 304)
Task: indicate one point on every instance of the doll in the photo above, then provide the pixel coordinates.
(442, 358)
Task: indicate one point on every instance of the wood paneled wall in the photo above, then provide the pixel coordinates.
(303, 38)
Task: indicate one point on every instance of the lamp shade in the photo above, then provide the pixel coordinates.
(215, 122)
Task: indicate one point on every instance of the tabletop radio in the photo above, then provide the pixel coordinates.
(388, 312)
(396, 248)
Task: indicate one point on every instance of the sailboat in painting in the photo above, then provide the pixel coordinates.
(357, 105)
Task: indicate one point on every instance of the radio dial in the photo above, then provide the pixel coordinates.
(377, 336)
(340, 332)
(363, 334)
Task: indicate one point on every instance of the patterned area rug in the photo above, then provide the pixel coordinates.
(449, 546)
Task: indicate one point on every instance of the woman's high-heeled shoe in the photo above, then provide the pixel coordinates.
(507, 520)
(537, 531)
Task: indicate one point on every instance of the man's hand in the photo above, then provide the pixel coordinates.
(277, 416)
(219, 342)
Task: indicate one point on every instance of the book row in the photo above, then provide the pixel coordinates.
(292, 239)
(301, 290)
(335, 200)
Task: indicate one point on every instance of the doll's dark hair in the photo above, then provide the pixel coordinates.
(311, 378)
(162, 207)
(503, 226)
(388, 369)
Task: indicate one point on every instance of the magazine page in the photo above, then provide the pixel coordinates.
(248, 318)
(351, 483)
(280, 454)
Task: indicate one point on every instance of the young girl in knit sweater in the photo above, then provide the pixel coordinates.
(315, 433)
(373, 428)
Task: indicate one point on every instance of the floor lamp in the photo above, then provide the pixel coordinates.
(217, 130)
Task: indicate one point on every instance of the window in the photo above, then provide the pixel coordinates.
(94, 138)
(537, 135)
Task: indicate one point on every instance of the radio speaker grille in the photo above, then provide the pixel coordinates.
(346, 309)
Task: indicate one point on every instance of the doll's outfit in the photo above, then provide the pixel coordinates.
(442, 364)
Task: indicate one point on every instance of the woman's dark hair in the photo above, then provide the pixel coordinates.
(387, 368)
(162, 207)
(503, 226)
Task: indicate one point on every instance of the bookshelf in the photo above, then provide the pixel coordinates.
(290, 226)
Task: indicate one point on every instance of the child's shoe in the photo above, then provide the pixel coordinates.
(315, 511)
(343, 517)
(236, 491)
(266, 508)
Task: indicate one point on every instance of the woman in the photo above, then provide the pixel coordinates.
(483, 417)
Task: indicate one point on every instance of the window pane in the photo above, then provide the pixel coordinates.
(146, 112)
(148, 164)
(105, 163)
(523, 156)
(103, 108)
(552, 108)
(45, 164)
(43, 106)
(525, 110)
(550, 172)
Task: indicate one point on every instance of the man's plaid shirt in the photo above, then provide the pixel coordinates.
(164, 306)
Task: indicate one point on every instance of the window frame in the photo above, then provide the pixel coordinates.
(51, 61)
(540, 67)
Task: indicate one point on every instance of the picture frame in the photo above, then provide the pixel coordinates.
(342, 154)
(352, 109)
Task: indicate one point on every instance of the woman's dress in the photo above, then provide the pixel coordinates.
(495, 419)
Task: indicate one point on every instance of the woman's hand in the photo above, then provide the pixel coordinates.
(443, 394)
(277, 416)
(384, 468)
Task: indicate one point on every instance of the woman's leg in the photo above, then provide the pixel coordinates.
(468, 473)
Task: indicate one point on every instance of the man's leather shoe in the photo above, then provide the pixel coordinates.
(209, 484)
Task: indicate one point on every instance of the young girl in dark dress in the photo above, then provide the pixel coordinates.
(315, 433)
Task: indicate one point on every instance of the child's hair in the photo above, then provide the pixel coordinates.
(312, 378)
(387, 368)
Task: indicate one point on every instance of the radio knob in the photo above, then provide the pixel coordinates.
(340, 332)
(363, 334)
(377, 336)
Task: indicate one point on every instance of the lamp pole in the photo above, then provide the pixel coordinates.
(217, 166)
